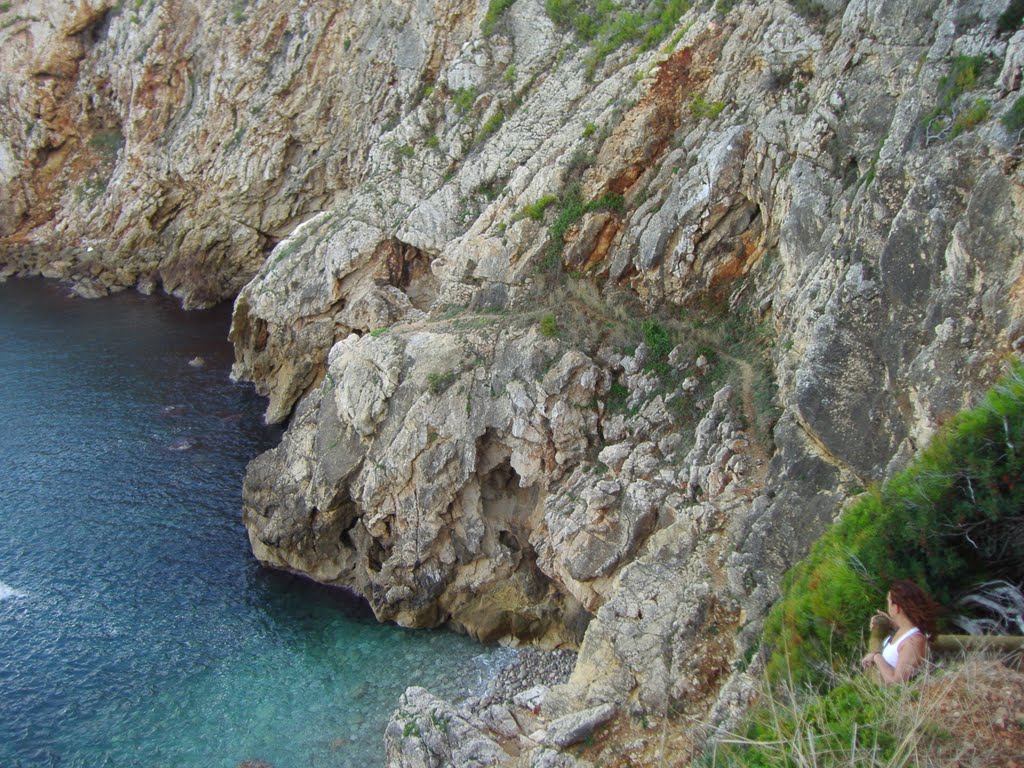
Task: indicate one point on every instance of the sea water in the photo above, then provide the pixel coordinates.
(135, 627)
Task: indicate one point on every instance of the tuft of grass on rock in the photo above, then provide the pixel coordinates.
(535, 210)
(464, 99)
(440, 382)
(549, 326)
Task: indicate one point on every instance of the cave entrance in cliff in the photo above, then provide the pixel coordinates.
(504, 502)
(408, 269)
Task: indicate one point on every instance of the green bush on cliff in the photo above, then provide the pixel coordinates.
(701, 107)
(607, 25)
(572, 208)
(494, 10)
(1011, 18)
(962, 77)
(464, 99)
(659, 345)
(972, 117)
(942, 522)
(1014, 117)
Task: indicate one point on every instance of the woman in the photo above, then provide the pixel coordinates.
(911, 616)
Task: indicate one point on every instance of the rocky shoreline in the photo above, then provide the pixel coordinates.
(528, 668)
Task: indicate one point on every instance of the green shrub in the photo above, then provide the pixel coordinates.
(618, 396)
(971, 117)
(943, 522)
(701, 108)
(1014, 118)
(440, 382)
(549, 326)
(489, 128)
(962, 77)
(535, 210)
(666, 20)
(494, 10)
(616, 32)
(561, 12)
(1011, 18)
(411, 728)
(659, 344)
(571, 211)
(464, 99)
(607, 25)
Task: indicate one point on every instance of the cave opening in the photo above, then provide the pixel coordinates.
(408, 269)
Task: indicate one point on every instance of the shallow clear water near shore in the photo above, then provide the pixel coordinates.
(135, 627)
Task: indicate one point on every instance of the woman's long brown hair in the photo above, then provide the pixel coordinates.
(919, 607)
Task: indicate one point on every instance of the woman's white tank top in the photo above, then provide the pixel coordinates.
(891, 651)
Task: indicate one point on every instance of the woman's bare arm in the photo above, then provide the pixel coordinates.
(911, 655)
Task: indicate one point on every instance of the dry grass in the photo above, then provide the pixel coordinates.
(964, 714)
(981, 708)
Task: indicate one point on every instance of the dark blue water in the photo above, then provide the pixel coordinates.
(135, 627)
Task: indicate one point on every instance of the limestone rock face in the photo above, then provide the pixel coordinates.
(174, 143)
(415, 473)
(447, 246)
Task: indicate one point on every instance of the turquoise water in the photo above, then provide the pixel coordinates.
(135, 627)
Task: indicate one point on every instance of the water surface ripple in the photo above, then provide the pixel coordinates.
(135, 627)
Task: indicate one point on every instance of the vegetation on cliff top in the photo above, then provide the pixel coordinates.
(946, 521)
(949, 521)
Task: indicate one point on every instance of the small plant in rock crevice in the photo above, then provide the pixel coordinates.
(549, 326)
(971, 117)
(439, 383)
(490, 127)
(464, 99)
(1013, 120)
(535, 210)
(570, 211)
(962, 77)
(701, 108)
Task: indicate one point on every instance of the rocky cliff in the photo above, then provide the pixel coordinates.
(585, 318)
